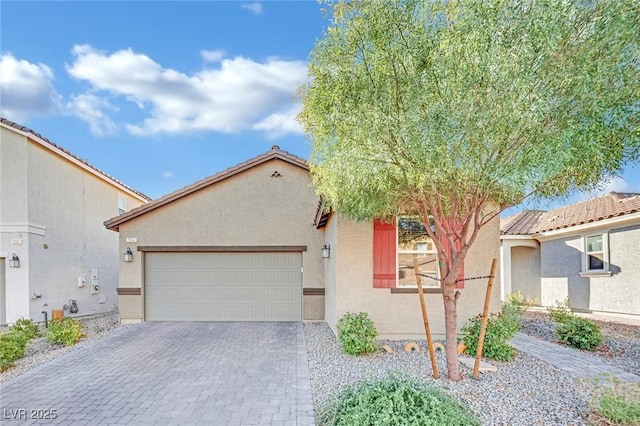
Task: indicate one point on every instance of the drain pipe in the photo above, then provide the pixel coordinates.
(46, 322)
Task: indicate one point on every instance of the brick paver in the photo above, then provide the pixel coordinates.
(567, 359)
(172, 373)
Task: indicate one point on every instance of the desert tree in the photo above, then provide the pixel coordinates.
(456, 110)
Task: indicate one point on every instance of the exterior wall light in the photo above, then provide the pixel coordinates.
(326, 251)
(14, 261)
(128, 255)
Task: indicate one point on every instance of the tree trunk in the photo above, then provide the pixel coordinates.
(451, 329)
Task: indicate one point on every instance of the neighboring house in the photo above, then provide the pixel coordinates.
(53, 245)
(588, 252)
(244, 245)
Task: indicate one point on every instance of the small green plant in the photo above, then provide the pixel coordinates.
(13, 345)
(560, 311)
(580, 333)
(357, 334)
(394, 401)
(500, 329)
(66, 331)
(26, 326)
(618, 402)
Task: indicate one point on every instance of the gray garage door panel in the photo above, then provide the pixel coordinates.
(223, 287)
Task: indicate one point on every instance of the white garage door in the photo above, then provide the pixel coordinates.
(223, 286)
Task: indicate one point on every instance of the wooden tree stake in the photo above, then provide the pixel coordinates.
(485, 316)
(432, 353)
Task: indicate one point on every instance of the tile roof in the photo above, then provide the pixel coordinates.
(61, 150)
(274, 154)
(531, 222)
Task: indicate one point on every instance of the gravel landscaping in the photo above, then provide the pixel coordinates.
(525, 391)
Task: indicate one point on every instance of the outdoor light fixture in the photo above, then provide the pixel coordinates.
(326, 250)
(14, 262)
(128, 255)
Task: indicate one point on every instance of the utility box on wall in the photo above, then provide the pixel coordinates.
(95, 287)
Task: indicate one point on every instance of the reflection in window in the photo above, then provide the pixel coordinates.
(413, 242)
(595, 253)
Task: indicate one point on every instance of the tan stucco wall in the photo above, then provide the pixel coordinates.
(398, 316)
(248, 209)
(59, 213)
(330, 271)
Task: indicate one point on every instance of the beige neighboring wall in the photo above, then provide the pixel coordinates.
(398, 316)
(250, 208)
(52, 211)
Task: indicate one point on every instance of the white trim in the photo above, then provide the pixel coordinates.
(72, 159)
(604, 224)
(517, 237)
(595, 274)
(605, 254)
(23, 228)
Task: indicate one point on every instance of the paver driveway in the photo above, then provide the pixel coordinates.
(172, 373)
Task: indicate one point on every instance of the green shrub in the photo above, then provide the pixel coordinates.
(66, 331)
(357, 334)
(580, 333)
(618, 402)
(500, 329)
(394, 401)
(27, 327)
(560, 311)
(13, 345)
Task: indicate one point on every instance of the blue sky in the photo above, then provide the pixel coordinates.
(160, 94)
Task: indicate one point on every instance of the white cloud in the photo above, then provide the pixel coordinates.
(255, 7)
(212, 55)
(167, 175)
(279, 123)
(616, 184)
(90, 109)
(26, 89)
(235, 95)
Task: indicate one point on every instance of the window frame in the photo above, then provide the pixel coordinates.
(426, 283)
(122, 210)
(586, 270)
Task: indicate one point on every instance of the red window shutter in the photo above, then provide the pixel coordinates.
(460, 277)
(384, 254)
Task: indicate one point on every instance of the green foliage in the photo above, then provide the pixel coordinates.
(13, 345)
(66, 331)
(580, 333)
(440, 97)
(357, 334)
(618, 402)
(514, 307)
(560, 311)
(394, 401)
(457, 110)
(500, 329)
(27, 327)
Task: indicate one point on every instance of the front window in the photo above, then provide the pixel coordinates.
(122, 204)
(414, 243)
(595, 252)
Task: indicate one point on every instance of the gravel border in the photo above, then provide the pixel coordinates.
(40, 351)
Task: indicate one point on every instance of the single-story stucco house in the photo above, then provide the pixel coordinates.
(54, 249)
(586, 252)
(254, 243)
